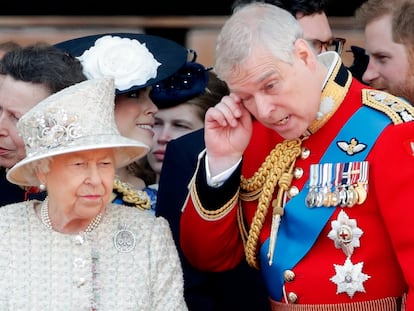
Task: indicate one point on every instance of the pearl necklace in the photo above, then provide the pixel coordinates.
(44, 216)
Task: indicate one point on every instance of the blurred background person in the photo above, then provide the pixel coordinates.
(182, 102)
(7, 46)
(77, 250)
(311, 14)
(28, 75)
(388, 33)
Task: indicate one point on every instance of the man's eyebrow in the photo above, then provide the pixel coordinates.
(265, 75)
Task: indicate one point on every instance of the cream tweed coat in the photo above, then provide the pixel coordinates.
(41, 269)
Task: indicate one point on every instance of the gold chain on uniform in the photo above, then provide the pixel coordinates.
(138, 198)
(275, 170)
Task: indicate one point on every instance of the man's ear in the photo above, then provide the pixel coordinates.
(305, 52)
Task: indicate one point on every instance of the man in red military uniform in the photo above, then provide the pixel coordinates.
(306, 172)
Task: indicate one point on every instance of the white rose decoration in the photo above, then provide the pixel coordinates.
(126, 60)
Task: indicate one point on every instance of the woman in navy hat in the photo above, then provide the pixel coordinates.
(136, 62)
(182, 100)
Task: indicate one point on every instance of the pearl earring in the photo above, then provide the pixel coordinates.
(42, 187)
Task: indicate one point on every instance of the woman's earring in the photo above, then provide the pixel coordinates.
(42, 187)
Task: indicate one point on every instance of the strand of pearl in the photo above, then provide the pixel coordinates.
(44, 216)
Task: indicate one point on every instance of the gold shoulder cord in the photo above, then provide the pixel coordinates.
(275, 170)
(139, 198)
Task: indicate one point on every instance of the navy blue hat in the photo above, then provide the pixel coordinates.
(134, 60)
(188, 82)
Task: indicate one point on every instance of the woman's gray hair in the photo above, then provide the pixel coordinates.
(255, 25)
(42, 165)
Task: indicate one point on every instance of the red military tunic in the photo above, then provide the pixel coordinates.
(379, 264)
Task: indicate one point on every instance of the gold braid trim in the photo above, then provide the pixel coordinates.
(276, 169)
(139, 198)
(211, 214)
(240, 222)
(332, 92)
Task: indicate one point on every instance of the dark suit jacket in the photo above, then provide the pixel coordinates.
(239, 289)
(11, 193)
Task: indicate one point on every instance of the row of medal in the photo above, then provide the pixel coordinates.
(337, 184)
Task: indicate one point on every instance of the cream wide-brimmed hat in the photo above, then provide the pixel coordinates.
(77, 118)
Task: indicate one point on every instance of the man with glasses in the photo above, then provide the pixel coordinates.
(335, 44)
(312, 17)
(242, 288)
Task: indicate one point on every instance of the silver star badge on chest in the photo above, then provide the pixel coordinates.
(349, 278)
(345, 233)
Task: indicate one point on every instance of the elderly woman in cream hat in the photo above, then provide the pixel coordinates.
(137, 62)
(76, 250)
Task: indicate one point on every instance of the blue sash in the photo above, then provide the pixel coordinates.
(300, 225)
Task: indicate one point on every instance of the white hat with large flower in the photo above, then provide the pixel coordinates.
(133, 60)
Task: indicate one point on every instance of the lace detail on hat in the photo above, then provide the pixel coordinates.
(50, 130)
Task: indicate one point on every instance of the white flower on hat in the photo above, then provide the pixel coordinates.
(127, 61)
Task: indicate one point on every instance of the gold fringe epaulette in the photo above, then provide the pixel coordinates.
(396, 108)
